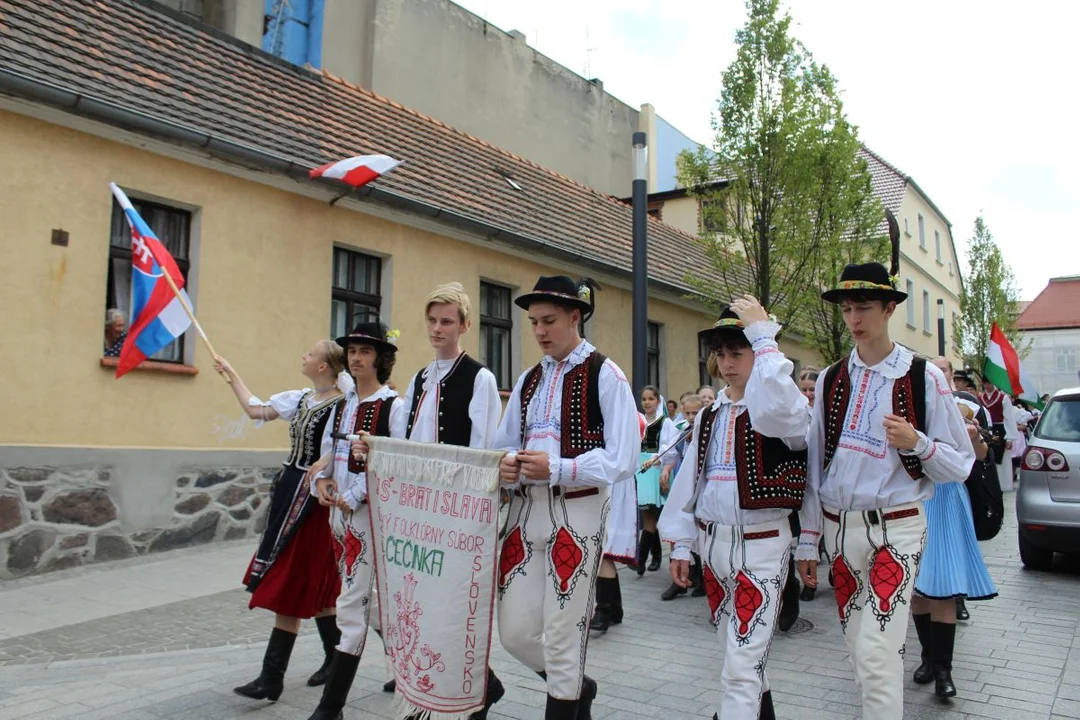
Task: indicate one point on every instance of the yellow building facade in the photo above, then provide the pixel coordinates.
(93, 467)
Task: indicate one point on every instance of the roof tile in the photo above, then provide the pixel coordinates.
(128, 53)
(1057, 306)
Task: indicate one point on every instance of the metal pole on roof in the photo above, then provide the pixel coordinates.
(640, 286)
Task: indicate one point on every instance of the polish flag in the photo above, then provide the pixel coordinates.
(356, 171)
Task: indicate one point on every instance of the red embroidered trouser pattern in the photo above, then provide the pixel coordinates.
(745, 570)
(874, 568)
(550, 552)
(352, 549)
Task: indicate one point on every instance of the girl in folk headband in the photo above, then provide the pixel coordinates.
(654, 482)
(743, 474)
(572, 429)
(293, 571)
(884, 430)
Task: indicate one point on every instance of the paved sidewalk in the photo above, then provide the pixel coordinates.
(169, 636)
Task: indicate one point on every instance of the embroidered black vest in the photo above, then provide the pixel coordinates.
(455, 394)
(306, 429)
(650, 443)
(909, 402)
(582, 422)
(768, 472)
(371, 417)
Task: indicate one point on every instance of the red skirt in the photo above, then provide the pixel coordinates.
(303, 580)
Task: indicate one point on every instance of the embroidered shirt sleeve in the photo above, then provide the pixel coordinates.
(810, 517)
(944, 449)
(676, 525)
(777, 408)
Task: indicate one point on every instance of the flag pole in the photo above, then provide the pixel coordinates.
(342, 195)
(191, 316)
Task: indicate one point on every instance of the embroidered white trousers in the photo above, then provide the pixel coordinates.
(551, 550)
(745, 569)
(875, 557)
(355, 560)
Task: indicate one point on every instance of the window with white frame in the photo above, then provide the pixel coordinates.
(173, 228)
(496, 331)
(937, 245)
(703, 363)
(922, 232)
(926, 311)
(909, 287)
(356, 294)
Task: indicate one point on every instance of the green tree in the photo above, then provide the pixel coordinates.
(785, 199)
(989, 296)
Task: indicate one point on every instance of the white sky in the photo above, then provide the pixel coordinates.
(971, 99)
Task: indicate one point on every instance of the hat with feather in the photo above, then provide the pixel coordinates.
(561, 290)
(872, 280)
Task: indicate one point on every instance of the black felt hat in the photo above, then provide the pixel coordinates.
(727, 325)
(371, 332)
(872, 279)
(562, 290)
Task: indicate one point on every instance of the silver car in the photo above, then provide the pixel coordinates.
(1048, 497)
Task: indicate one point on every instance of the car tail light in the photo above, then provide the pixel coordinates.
(1037, 458)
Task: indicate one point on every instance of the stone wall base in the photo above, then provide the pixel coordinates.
(57, 516)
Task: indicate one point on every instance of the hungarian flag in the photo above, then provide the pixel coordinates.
(157, 316)
(356, 171)
(1004, 371)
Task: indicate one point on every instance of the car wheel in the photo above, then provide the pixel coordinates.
(1033, 557)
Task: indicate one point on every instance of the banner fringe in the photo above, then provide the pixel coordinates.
(405, 710)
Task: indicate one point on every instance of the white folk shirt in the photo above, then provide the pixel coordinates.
(777, 409)
(614, 462)
(484, 407)
(352, 487)
(865, 473)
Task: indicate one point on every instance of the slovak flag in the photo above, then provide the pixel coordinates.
(157, 317)
(356, 171)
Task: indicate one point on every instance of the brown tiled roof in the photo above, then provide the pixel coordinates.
(888, 182)
(139, 58)
(1057, 306)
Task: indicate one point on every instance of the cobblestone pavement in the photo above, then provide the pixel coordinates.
(1018, 658)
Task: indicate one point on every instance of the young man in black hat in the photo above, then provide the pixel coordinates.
(370, 407)
(453, 401)
(571, 427)
(744, 474)
(884, 429)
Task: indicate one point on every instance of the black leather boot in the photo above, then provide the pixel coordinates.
(330, 636)
(588, 694)
(390, 685)
(657, 553)
(616, 601)
(338, 683)
(602, 614)
(644, 543)
(925, 672)
(495, 692)
(961, 610)
(697, 573)
(271, 680)
(789, 601)
(561, 709)
(767, 712)
(672, 592)
(944, 637)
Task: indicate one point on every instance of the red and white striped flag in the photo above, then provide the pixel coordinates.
(356, 171)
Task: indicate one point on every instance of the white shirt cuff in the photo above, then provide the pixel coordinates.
(681, 551)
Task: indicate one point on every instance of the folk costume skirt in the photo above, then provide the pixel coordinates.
(952, 564)
(293, 571)
(648, 485)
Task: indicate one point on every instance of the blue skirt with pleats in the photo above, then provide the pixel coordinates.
(648, 485)
(952, 563)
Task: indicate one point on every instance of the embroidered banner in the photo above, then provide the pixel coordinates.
(435, 511)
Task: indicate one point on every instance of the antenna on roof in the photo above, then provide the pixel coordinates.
(589, 50)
